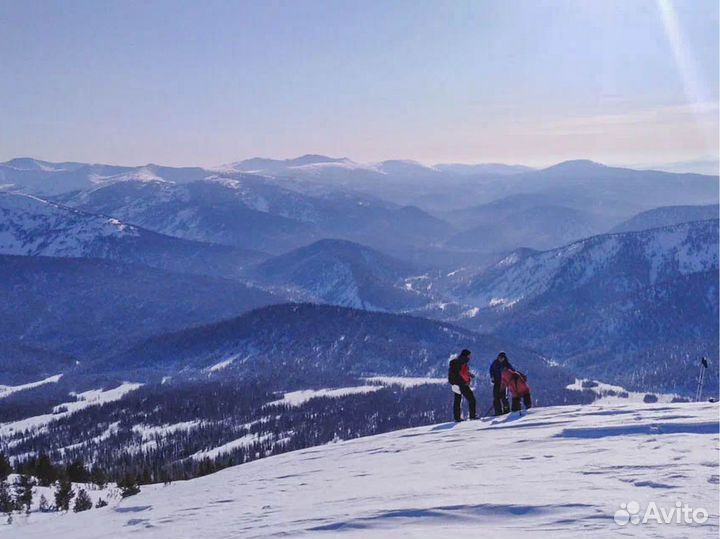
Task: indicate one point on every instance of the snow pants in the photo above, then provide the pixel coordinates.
(500, 402)
(466, 392)
(527, 401)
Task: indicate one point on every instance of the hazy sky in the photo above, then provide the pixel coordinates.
(208, 82)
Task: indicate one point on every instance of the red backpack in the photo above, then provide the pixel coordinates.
(465, 373)
(516, 382)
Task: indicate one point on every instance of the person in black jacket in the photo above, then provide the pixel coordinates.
(459, 377)
(500, 401)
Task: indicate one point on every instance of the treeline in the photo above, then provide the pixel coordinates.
(136, 440)
(127, 441)
(41, 471)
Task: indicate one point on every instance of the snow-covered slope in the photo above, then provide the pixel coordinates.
(649, 257)
(30, 226)
(637, 308)
(557, 473)
(252, 212)
(343, 273)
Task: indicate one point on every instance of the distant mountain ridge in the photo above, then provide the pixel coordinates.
(252, 213)
(306, 345)
(88, 308)
(344, 273)
(30, 226)
(668, 215)
(647, 297)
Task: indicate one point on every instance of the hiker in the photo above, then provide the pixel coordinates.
(497, 367)
(459, 377)
(516, 382)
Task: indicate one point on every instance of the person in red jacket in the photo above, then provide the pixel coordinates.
(516, 382)
(459, 377)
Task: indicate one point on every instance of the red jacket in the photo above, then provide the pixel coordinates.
(516, 382)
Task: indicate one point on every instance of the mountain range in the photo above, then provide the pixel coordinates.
(30, 226)
(293, 302)
(651, 296)
(251, 212)
(306, 345)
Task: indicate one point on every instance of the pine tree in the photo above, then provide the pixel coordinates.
(128, 486)
(76, 472)
(24, 492)
(63, 494)
(7, 504)
(5, 467)
(98, 477)
(100, 503)
(82, 502)
(46, 473)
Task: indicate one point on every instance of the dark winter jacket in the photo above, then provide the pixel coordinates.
(459, 371)
(496, 369)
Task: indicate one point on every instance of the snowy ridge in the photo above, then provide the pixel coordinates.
(668, 252)
(9, 390)
(32, 227)
(139, 175)
(243, 441)
(93, 397)
(485, 477)
(296, 398)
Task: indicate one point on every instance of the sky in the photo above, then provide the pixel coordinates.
(209, 82)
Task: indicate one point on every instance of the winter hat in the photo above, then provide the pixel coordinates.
(465, 353)
(502, 355)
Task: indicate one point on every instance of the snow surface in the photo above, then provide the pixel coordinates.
(404, 381)
(9, 390)
(94, 397)
(559, 472)
(610, 393)
(220, 365)
(297, 398)
(243, 441)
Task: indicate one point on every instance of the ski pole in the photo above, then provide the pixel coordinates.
(700, 384)
(701, 379)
